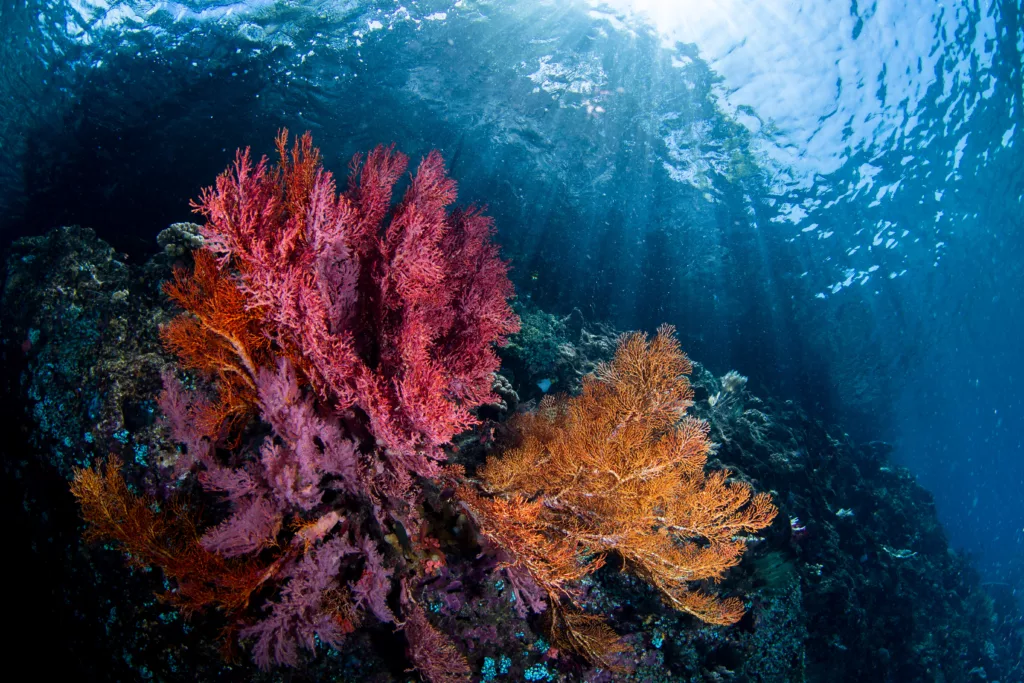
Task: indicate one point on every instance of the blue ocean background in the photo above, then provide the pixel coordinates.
(824, 196)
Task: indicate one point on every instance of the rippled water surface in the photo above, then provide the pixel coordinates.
(826, 196)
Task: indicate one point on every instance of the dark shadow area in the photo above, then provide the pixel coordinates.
(139, 139)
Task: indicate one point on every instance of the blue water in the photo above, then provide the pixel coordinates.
(824, 196)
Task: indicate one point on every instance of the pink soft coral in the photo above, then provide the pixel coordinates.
(392, 311)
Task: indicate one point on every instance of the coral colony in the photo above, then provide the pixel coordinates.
(329, 348)
(618, 469)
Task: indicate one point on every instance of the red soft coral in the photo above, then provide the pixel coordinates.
(394, 312)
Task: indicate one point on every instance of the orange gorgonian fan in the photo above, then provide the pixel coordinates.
(619, 469)
(219, 335)
(168, 540)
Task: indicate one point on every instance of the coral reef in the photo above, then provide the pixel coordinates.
(881, 594)
(859, 585)
(83, 327)
(552, 354)
(180, 239)
(388, 317)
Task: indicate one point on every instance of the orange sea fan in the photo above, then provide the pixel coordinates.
(218, 336)
(166, 540)
(620, 469)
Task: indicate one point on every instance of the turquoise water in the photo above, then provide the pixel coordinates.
(824, 196)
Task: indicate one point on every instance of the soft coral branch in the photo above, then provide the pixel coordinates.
(311, 606)
(219, 336)
(433, 653)
(169, 541)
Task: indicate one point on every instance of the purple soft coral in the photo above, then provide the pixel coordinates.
(306, 446)
(289, 475)
(305, 609)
